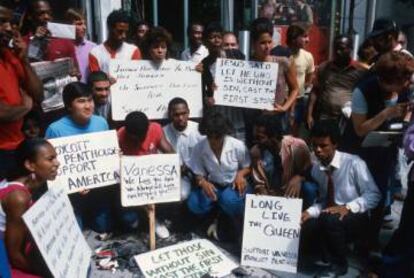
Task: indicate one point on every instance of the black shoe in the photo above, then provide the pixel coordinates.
(333, 271)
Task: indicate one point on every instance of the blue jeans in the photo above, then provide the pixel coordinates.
(95, 206)
(4, 263)
(228, 199)
(127, 217)
(310, 191)
(300, 109)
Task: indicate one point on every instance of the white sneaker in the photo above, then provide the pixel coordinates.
(161, 230)
(212, 230)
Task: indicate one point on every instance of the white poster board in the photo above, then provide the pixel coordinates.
(271, 232)
(55, 76)
(57, 235)
(87, 161)
(63, 31)
(150, 179)
(246, 84)
(144, 86)
(189, 259)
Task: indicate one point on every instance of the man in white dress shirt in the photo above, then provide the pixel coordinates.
(183, 135)
(347, 192)
(197, 51)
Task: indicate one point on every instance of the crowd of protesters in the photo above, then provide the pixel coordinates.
(310, 146)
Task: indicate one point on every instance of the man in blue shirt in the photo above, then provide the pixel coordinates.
(79, 105)
(80, 119)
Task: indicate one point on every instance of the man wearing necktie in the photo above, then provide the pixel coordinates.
(347, 192)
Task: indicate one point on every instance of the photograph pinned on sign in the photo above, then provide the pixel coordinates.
(87, 161)
(271, 233)
(55, 75)
(150, 179)
(62, 31)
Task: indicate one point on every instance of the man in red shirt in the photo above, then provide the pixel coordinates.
(19, 87)
(41, 46)
(142, 137)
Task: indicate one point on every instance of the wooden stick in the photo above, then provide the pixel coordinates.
(151, 217)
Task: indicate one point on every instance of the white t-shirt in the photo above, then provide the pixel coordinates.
(184, 141)
(100, 56)
(234, 157)
(198, 55)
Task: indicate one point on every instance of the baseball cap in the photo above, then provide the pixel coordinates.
(382, 26)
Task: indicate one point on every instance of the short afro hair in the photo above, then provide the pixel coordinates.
(118, 16)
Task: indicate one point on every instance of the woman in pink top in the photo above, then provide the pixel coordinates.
(37, 163)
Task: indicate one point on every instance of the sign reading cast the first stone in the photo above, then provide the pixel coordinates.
(246, 84)
(87, 161)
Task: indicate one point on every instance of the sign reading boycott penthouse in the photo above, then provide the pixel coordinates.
(57, 235)
(246, 84)
(150, 179)
(271, 232)
(147, 87)
(87, 161)
(193, 259)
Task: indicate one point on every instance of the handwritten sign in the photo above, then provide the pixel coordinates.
(271, 232)
(55, 76)
(246, 84)
(57, 235)
(150, 179)
(87, 161)
(189, 259)
(144, 86)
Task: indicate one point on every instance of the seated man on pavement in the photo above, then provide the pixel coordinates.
(183, 135)
(280, 161)
(347, 193)
(138, 137)
(79, 107)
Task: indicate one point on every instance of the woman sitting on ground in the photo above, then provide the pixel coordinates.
(36, 163)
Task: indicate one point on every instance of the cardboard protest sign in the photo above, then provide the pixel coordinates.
(246, 84)
(271, 232)
(147, 87)
(87, 161)
(63, 31)
(55, 76)
(150, 179)
(189, 259)
(57, 235)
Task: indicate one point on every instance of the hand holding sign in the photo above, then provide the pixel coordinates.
(54, 228)
(87, 161)
(144, 86)
(271, 232)
(246, 84)
(150, 179)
